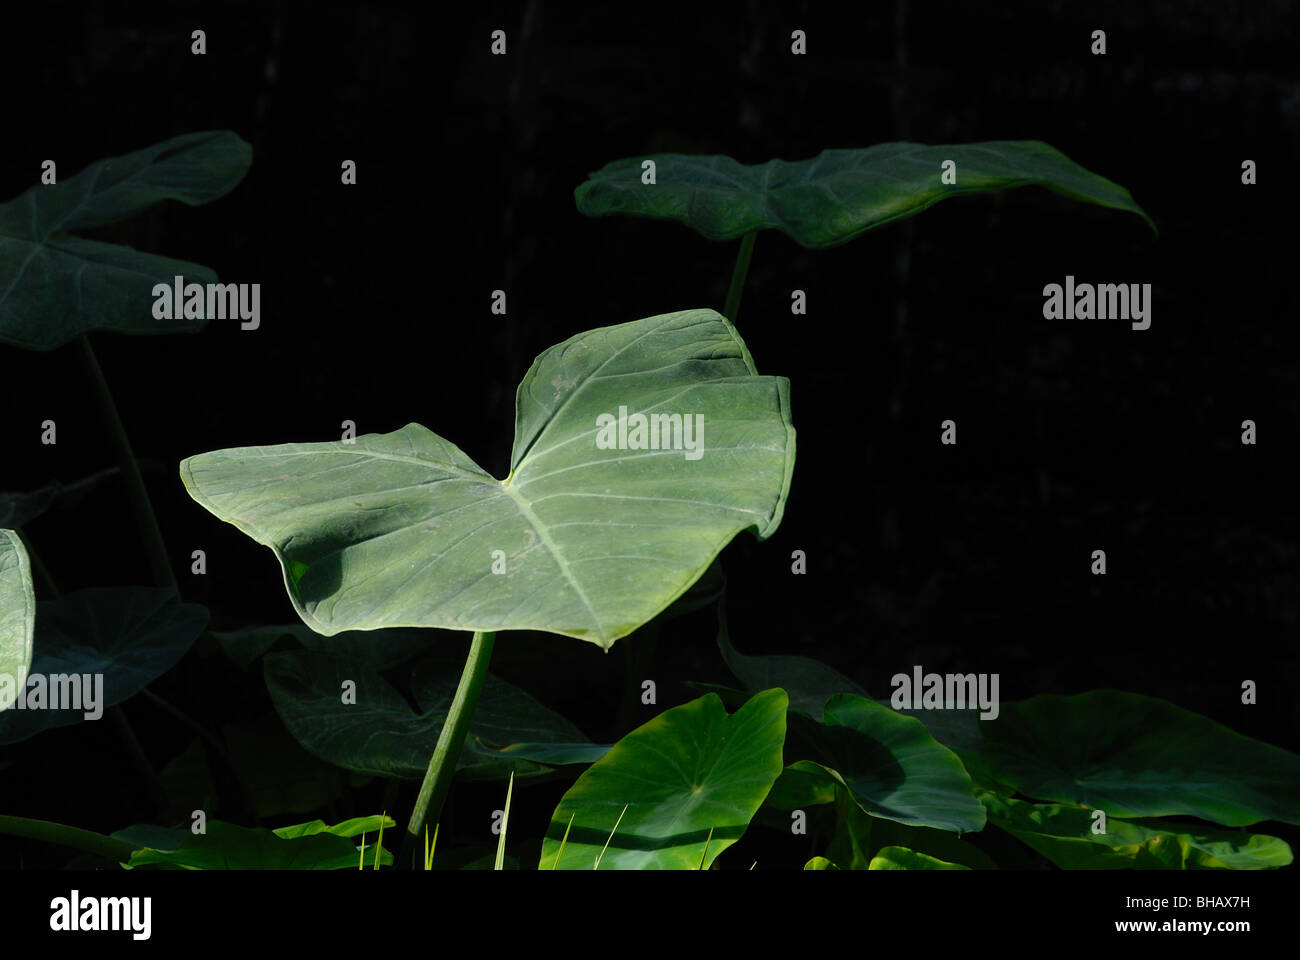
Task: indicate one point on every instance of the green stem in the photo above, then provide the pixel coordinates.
(442, 765)
(140, 505)
(738, 274)
(96, 843)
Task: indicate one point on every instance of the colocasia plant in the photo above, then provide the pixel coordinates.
(641, 449)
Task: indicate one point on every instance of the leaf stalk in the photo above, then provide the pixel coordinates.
(442, 765)
(738, 275)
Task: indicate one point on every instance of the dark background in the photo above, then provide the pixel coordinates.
(1073, 435)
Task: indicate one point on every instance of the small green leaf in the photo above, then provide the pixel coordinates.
(939, 844)
(356, 827)
(901, 858)
(311, 846)
(691, 776)
(838, 194)
(55, 286)
(403, 529)
(17, 616)
(819, 863)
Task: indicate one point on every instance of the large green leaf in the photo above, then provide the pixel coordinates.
(17, 615)
(681, 788)
(55, 286)
(1064, 835)
(129, 635)
(384, 735)
(400, 529)
(225, 846)
(1136, 756)
(836, 195)
(889, 764)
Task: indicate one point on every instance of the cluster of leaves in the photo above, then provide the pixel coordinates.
(383, 535)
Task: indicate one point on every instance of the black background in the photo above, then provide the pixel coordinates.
(1073, 435)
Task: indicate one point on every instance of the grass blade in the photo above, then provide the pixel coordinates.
(379, 844)
(505, 820)
(428, 850)
(555, 864)
(704, 856)
(610, 837)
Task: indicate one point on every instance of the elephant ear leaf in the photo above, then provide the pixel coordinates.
(1135, 756)
(640, 451)
(17, 616)
(675, 792)
(55, 286)
(839, 194)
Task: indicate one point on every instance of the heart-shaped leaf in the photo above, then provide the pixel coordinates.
(836, 195)
(55, 286)
(373, 729)
(675, 792)
(403, 529)
(1135, 756)
(129, 636)
(225, 846)
(1065, 835)
(889, 764)
(17, 616)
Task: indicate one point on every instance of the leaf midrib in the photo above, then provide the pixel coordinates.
(544, 535)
